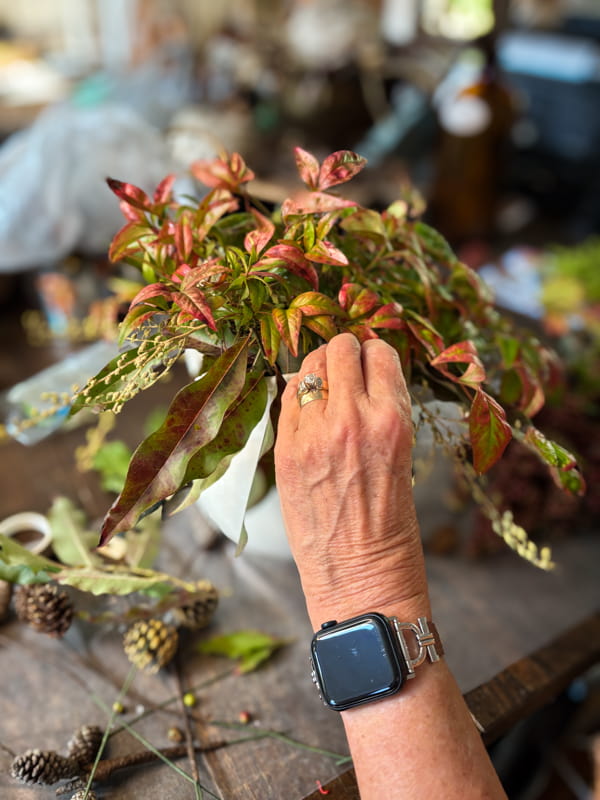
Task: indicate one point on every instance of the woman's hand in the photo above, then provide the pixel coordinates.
(343, 466)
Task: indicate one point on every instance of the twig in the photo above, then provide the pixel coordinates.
(189, 739)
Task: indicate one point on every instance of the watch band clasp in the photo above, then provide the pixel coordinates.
(426, 639)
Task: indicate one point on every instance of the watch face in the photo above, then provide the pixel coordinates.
(356, 661)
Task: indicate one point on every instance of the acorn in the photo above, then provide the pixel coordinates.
(150, 644)
(46, 607)
(202, 604)
(43, 766)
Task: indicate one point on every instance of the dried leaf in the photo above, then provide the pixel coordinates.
(71, 542)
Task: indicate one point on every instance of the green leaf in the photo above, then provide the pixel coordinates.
(71, 542)
(239, 421)
(564, 469)
(489, 431)
(98, 581)
(112, 462)
(159, 464)
(270, 337)
(143, 542)
(249, 647)
(20, 565)
(127, 374)
(434, 243)
(129, 240)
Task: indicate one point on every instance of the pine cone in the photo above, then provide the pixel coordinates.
(150, 644)
(198, 612)
(5, 595)
(45, 607)
(43, 766)
(84, 744)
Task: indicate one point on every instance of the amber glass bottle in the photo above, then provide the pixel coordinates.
(471, 153)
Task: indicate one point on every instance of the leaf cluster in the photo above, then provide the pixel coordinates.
(250, 286)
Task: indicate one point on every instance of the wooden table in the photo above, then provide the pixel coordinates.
(514, 637)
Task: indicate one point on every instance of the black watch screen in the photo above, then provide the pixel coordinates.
(356, 661)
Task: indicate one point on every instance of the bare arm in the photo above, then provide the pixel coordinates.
(344, 476)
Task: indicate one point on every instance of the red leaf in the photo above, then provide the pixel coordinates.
(461, 353)
(340, 167)
(289, 257)
(308, 167)
(150, 291)
(194, 303)
(228, 172)
(289, 322)
(184, 239)
(532, 396)
(210, 211)
(313, 203)
(158, 466)
(313, 304)
(162, 193)
(130, 194)
(324, 252)
(425, 334)
(489, 431)
(388, 316)
(356, 300)
(261, 235)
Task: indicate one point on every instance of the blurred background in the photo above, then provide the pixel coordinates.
(491, 108)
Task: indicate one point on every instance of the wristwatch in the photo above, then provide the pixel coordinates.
(369, 657)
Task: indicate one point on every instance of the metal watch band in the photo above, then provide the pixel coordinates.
(426, 638)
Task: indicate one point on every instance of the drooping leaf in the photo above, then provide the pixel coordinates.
(387, 316)
(323, 326)
(339, 167)
(239, 421)
(563, 464)
(424, 333)
(532, 395)
(71, 542)
(20, 565)
(159, 464)
(288, 322)
(308, 167)
(489, 431)
(461, 353)
(249, 647)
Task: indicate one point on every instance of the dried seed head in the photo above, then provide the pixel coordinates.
(83, 794)
(46, 607)
(150, 644)
(198, 612)
(43, 766)
(84, 744)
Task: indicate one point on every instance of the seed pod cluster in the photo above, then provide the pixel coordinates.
(198, 612)
(150, 644)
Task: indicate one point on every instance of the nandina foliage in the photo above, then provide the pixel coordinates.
(246, 285)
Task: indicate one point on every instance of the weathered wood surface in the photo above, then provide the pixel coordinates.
(492, 614)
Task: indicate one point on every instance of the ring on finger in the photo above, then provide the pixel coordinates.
(310, 388)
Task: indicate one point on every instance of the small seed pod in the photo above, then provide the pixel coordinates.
(84, 744)
(5, 595)
(202, 605)
(81, 794)
(150, 644)
(46, 607)
(43, 766)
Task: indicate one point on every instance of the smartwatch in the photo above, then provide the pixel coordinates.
(369, 657)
